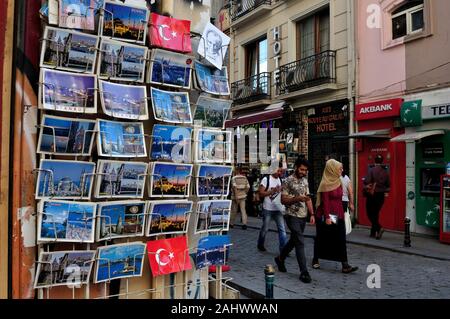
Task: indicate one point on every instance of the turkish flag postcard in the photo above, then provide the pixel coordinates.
(169, 33)
(168, 256)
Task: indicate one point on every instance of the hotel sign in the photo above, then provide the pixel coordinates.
(379, 109)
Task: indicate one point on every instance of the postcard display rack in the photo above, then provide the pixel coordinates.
(126, 191)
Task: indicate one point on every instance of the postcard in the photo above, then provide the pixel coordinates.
(169, 33)
(213, 180)
(68, 50)
(168, 256)
(211, 80)
(124, 101)
(213, 45)
(120, 219)
(70, 268)
(211, 112)
(77, 14)
(67, 92)
(121, 61)
(65, 136)
(171, 143)
(212, 250)
(119, 261)
(170, 180)
(196, 285)
(212, 146)
(120, 139)
(53, 12)
(168, 217)
(66, 221)
(171, 107)
(124, 22)
(170, 69)
(212, 215)
(65, 179)
(117, 179)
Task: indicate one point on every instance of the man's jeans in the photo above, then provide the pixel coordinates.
(297, 227)
(279, 220)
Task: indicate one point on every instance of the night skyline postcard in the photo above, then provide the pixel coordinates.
(170, 180)
(77, 14)
(168, 217)
(212, 146)
(120, 179)
(120, 219)
(68, 92)
(170, 69)
(212, 250)
(166, 137)
(119, 261)
(64, 136)
(171, 107)
(213, 180)
(211, 112)
(121, 139)
(121, 61)
(69, 50)
(64, 268)
(211, 80)
(66, 221)
(124, 101)
(65, 179)
(125, 22)
(212, 215)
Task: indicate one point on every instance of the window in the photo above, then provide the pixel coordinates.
(407, 19)
(313, 35)
(256, 57)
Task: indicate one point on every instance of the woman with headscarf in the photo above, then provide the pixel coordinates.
(330, 241)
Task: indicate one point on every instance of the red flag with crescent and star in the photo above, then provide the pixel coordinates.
(169, 33)
(167, 256)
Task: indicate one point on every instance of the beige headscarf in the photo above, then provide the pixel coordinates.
(331, 178)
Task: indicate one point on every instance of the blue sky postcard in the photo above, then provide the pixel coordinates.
(211, 112)
(68, 92)
(118, 179)
(212, 146)
(124, 22)
(213, 180)
(121, 139)
(59, 179)
(71, 268)
(172, 143)
(121, 61)
(212, 250)
(168, 217)
(119, 261)
(212, 215)
(120, 219)
(77, 14)
(211, 80)
(69, 50)
(171, 107)
(170, 180)
(124, 101)
(66, 221)
(170, 69)
(65, 136)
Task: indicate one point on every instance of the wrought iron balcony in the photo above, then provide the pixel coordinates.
(311, 71)
(256, 87)
(240, 8)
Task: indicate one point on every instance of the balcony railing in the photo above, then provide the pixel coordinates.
(240, 8)
(256, 87)
(311, 71)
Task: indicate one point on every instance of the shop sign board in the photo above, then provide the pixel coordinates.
(378, 109)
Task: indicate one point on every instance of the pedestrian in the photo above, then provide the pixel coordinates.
(295, 195)
(239, 189)
(269, 189)
(251, 206)
(347, 193)
(376, 188)
(330, 241)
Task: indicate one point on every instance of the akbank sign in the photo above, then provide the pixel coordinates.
(378, 109)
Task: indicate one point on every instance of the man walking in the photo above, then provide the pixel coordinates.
(377, 185)
(239, 190)
(298, 204)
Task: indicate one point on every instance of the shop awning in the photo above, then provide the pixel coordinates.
(271, 112)
(372, 134)
(415, 136)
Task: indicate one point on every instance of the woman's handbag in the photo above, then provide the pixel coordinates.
(348, 223)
